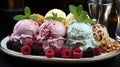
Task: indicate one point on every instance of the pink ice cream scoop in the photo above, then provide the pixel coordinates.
(52, 33)
(25, 30)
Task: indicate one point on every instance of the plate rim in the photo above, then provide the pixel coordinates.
(44, 58)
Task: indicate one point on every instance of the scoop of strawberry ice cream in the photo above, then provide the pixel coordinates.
(25, 30)
(52, 33)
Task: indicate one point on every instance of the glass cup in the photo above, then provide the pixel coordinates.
(99, 10)
(117, 32)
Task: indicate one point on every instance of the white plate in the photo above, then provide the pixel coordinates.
(54, 59)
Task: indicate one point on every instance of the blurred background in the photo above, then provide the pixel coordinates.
(10, 8)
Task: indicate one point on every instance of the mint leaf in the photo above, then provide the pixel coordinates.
(73, 9)
(27, 11)
(82, 18)
(54, 17)
(90, 21)
(60, 18)
(19, 17)
(80, 14)
(49, 18)
(79, 10)
(34, 17)
(84, 13)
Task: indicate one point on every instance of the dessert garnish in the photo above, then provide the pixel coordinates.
(54, 17)
(80, 14)
(27, 13)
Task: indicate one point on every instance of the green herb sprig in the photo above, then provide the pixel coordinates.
(27, 13)
(54, 17)
(80, 14)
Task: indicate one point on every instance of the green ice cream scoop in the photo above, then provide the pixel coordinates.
(80, 35)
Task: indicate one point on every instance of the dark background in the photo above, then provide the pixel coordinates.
(42, 6)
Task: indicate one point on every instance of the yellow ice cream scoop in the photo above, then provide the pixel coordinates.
(69, 18)
(37, 17)
(56, 14)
